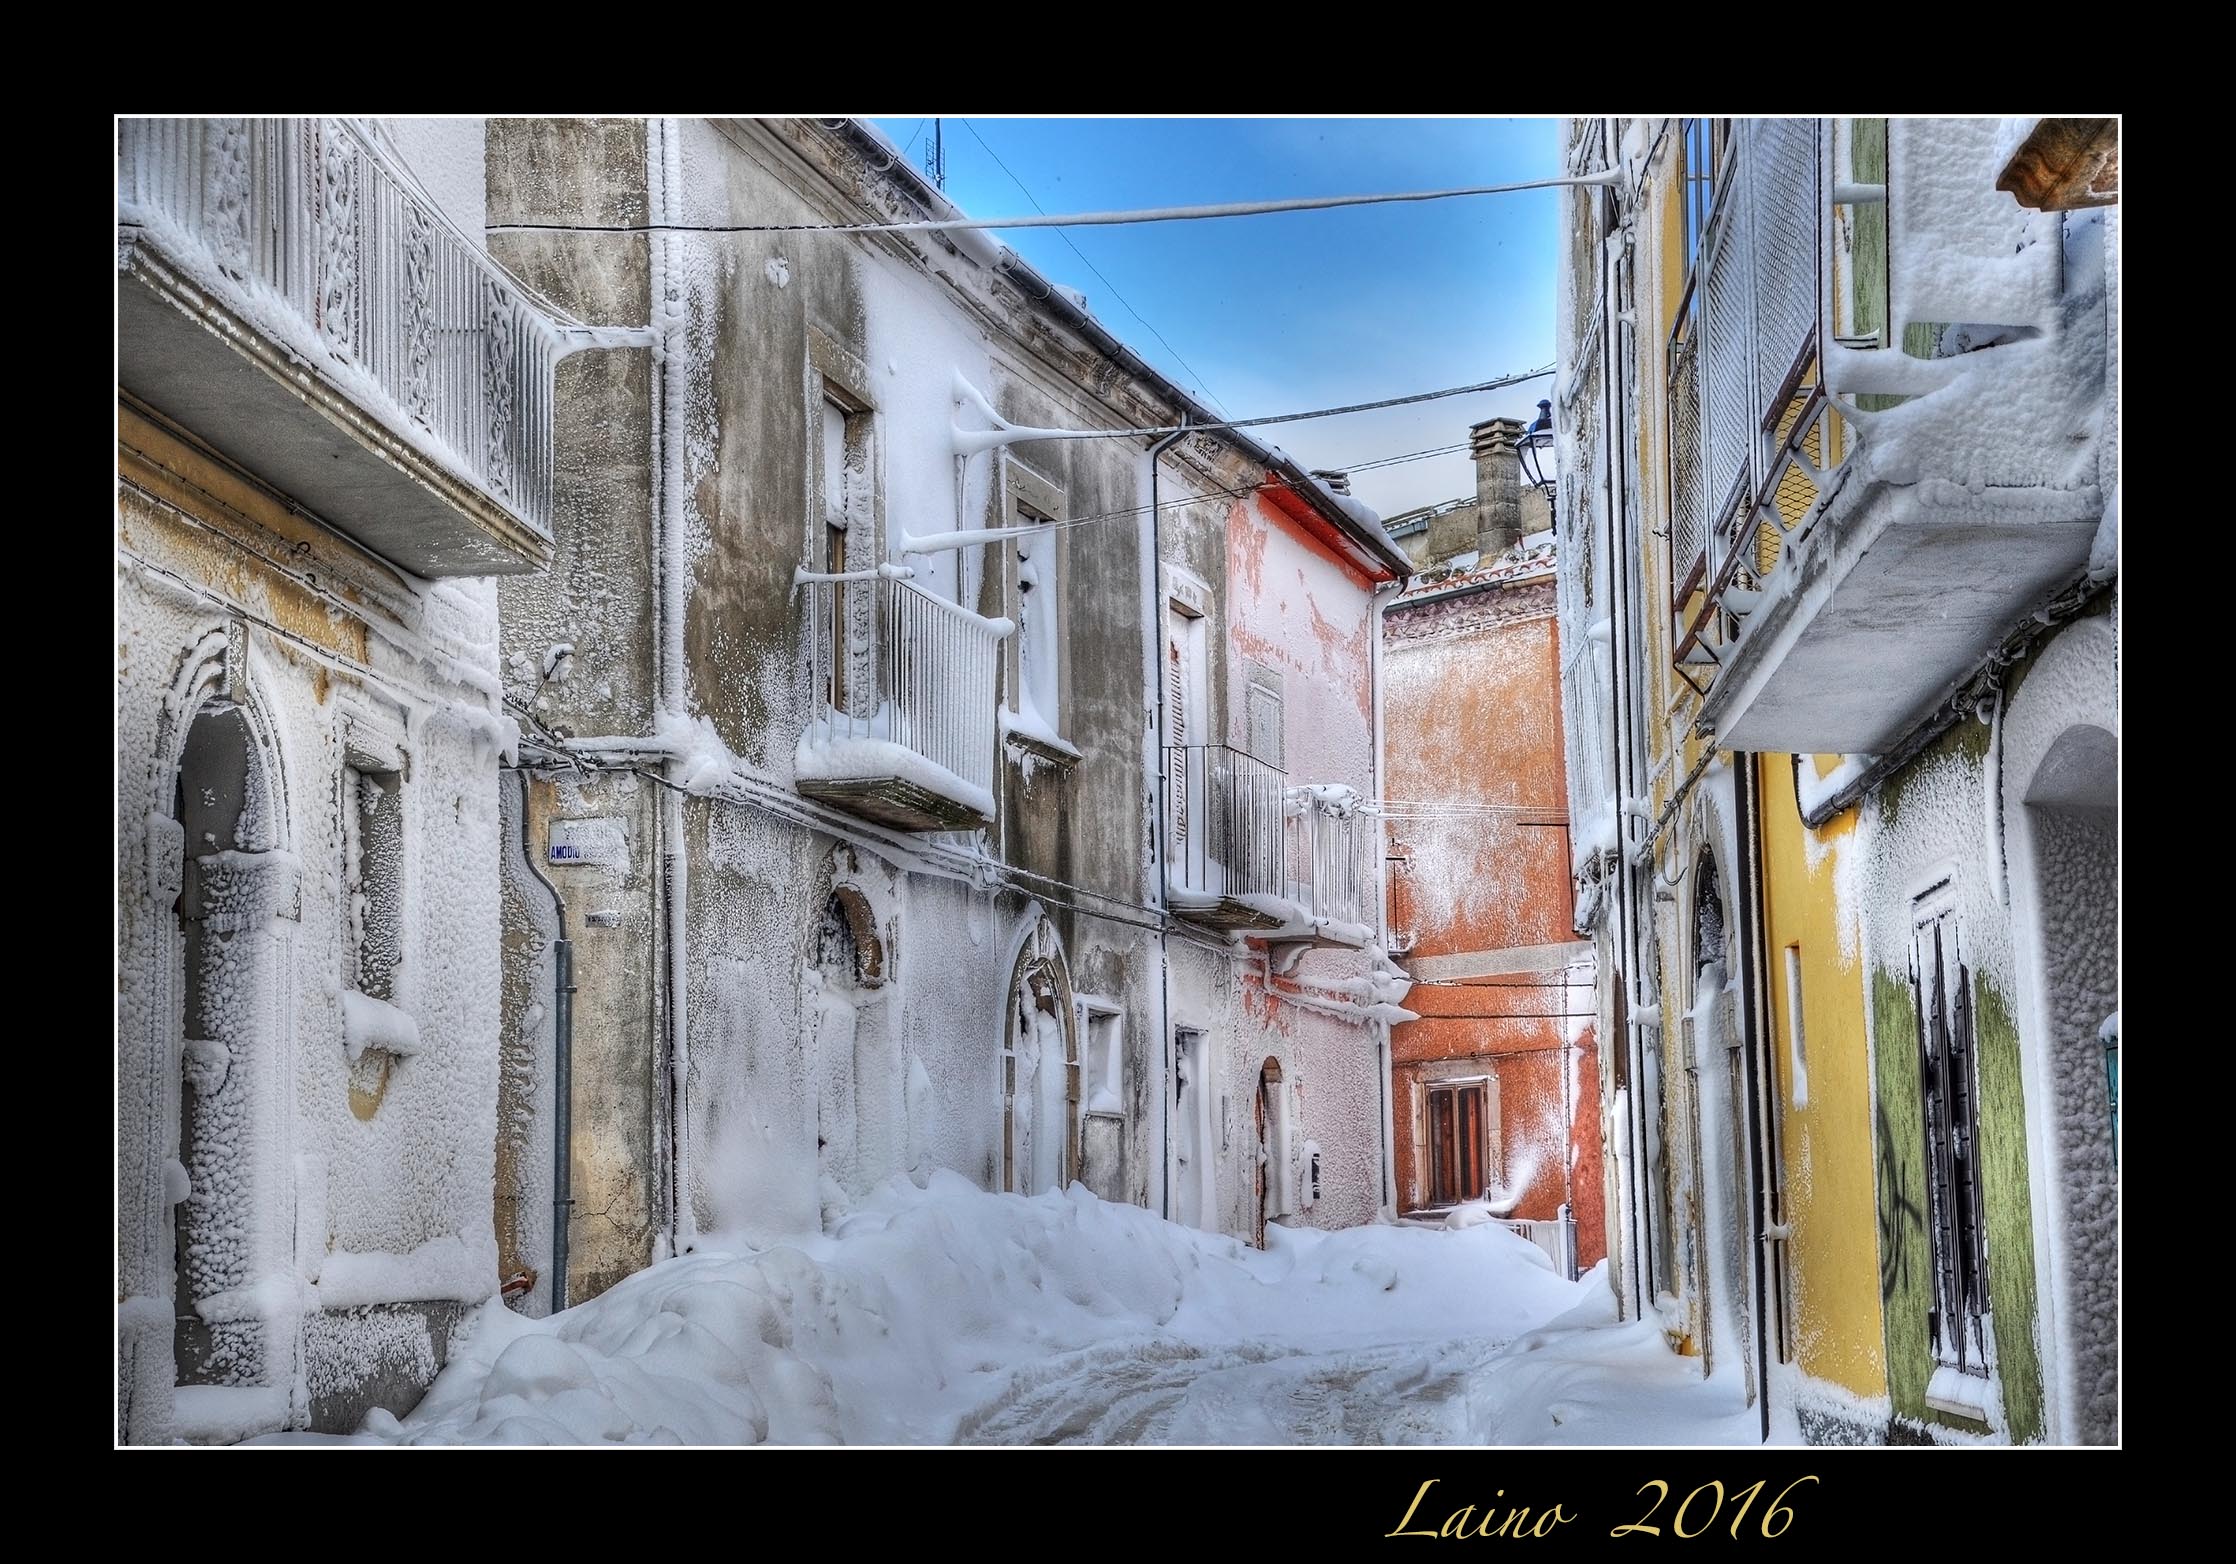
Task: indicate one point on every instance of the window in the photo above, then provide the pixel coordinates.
(1948, 1085)
(845, 544)
(373, 877)
(1797, 1039)
(1105, 1058)
(1703, 143)
(1186, 727)
(1699, 159)
(1266, 739)
(1039, 646)
(1459, 1141)
(1193, 1189)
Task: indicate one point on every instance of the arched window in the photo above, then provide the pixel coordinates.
(1040, 1069)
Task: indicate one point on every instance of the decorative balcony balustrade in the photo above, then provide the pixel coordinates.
(1333, 859)
(1885, 413)
(1249, 852)
(1226, 837)
(905, 686)
(287, 295)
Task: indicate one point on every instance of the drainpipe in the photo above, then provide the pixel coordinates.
(1156, 629)
(670, 403)
(1622, 697)
(1383, 1085)
(562, 1065)
(1753, 980)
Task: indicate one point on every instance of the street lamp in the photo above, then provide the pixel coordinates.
(1537, 453)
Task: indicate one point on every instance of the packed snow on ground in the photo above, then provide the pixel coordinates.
(948, 1315)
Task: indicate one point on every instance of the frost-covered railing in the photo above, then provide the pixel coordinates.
(901, 673)
(1332, 862)
(1555, 1235)
(306, 230)
(1226, 822)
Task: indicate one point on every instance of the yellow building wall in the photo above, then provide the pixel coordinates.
(1826, 1140)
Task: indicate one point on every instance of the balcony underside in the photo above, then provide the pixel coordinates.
(1229, 915)
(1334, 936)
(1901, 594)
(192, 358)
(893, 801)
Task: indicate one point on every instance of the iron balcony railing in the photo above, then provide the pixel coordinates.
(307, 230)
(1226, 824)
(1239, 829)
(1332, 857)
(895, 665)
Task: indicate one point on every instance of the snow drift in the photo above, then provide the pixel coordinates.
(945, 1314)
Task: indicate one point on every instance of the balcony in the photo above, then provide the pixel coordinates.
(906, 685)
(1885, 404)
(1250, 854)
(286, 295)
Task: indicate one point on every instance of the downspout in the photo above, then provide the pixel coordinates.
(1751, 979)
(1384, 1085)
(1156, 628)
(670, 402)
(1621, 691)
(562, 1064)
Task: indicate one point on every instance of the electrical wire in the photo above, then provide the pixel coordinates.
(1203, 384)
(1158, 214)
(1500, 384)
(1409, 456)
(1236, 491)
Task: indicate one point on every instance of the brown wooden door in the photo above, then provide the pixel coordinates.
(1259, 1201)
(1456, 1144)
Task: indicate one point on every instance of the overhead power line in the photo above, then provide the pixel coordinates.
(1232, 491)
(1399, 461)
(1153, 214)
(1209, 425)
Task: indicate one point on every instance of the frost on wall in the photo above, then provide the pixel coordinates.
(525, 1054)
(2017, 302)
(291, 1195)
(2077, 865)
(2061, 805)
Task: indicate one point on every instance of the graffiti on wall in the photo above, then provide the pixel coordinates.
(1901, 1218)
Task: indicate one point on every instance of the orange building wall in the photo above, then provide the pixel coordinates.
(1472, 730)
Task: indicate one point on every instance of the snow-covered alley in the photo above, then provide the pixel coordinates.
(748, 814)
(949, 1315)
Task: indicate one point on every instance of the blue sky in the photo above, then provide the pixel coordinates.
(1296, 310)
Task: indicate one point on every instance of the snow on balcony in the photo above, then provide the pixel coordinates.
(906, 684)
(287, 296)
(1922, 474)
(1249, 853)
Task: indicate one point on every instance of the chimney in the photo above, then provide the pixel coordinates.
(1337, 482)
(1495, 444)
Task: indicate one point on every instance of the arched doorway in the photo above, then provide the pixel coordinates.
(231, 1225)
(2072, 825)
(859, 1121)
(1040, 1069)
(1272, 1116)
